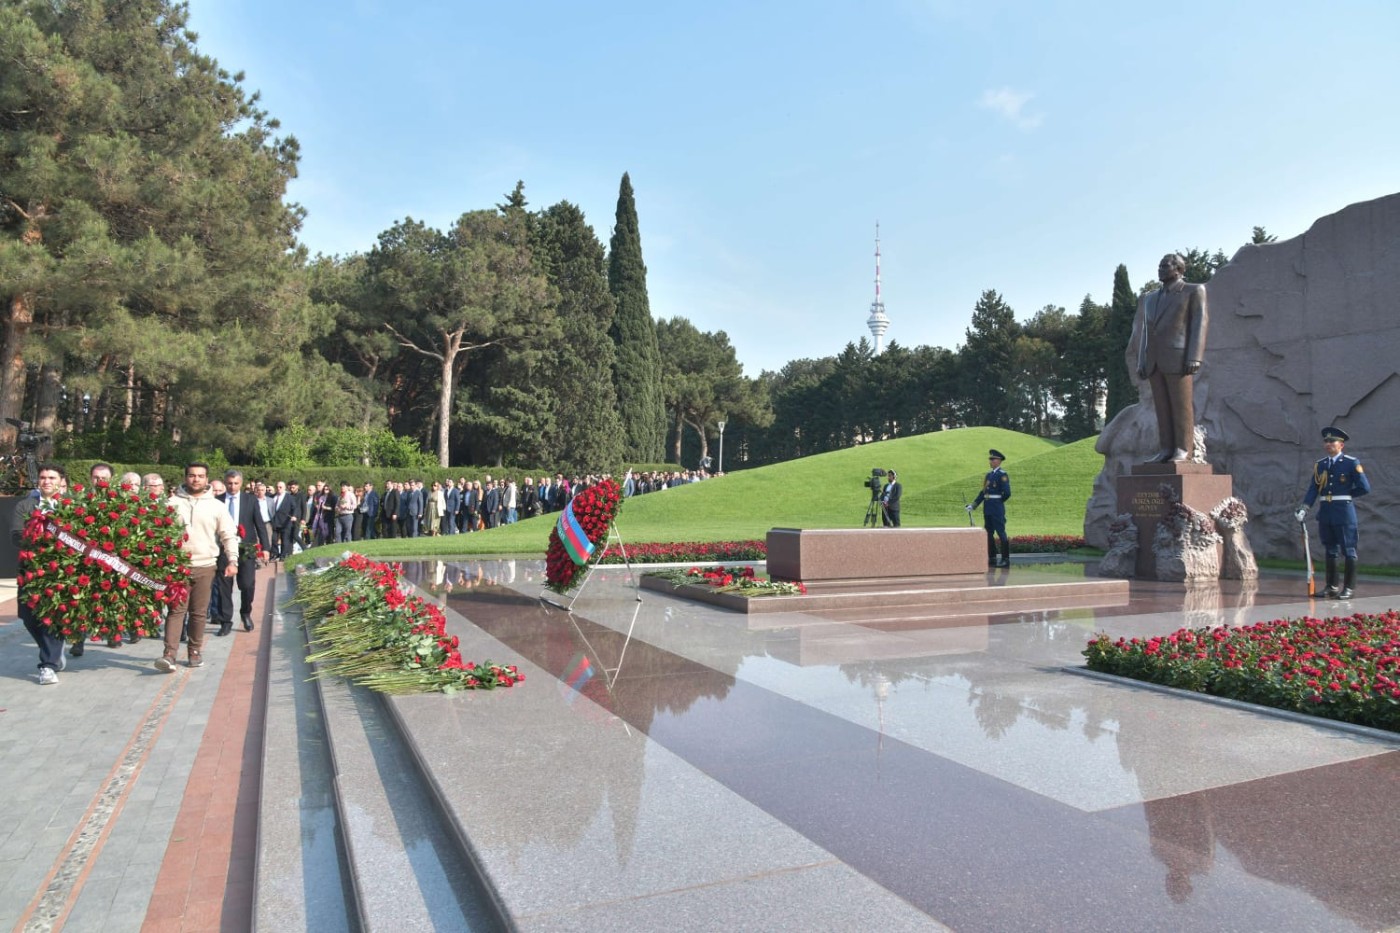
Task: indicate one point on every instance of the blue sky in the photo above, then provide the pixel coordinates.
(1024, 147)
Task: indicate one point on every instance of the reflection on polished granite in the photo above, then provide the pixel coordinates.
(948, 759)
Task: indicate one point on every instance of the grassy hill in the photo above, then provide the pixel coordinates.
(1050, 485)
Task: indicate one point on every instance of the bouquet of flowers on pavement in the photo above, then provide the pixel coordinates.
(103, 563)
(364, 627)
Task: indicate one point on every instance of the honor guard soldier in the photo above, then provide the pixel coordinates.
(996, 489)
(1338, 479)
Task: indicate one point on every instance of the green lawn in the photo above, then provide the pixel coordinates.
(940, 472)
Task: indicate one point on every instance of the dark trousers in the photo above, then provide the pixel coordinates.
(50, 645)
(996, 533)
(286, 538)
(247, 578)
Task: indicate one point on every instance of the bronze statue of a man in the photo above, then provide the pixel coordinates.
(1171, 333)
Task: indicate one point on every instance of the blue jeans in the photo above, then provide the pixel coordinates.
(50, 645)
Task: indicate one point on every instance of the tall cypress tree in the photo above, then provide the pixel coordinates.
(637, 373)
(1120, 330)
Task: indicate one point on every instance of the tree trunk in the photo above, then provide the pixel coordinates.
(130, 396)
(12, 373)
(46, 415)
(370, 405)
(680, 431)
(449, 357)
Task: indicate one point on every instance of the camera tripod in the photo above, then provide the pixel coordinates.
(19, 471)
(875, 513)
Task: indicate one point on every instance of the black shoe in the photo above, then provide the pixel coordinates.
(1329, 593)
(135, 637)
(1345, 593)
(247, 623)
(1003, 563)
(224, 629)
(77, 650)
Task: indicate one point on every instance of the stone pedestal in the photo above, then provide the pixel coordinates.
(1139, 494)
(825, 557)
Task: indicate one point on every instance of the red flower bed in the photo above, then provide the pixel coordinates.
(720, 551)
(682, 552)
(594, 508)
(1346, 669)
(1044, 544)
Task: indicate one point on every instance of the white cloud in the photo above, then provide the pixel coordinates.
(1011, 105)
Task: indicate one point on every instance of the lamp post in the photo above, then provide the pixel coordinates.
(720, 424)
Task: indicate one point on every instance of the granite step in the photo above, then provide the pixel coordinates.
(405, 868)
(302, 879)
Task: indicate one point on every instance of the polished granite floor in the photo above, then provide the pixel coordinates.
(958, 762)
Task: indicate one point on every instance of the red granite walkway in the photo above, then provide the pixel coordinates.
(206, 880)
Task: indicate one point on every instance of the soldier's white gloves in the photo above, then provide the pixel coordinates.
(1301, 514)
(969, 508)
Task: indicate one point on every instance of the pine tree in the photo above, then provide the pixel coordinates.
(448, 296)
(988, 363)
(1121, 393)
(637, 374)
(145, 247)
(586, 432)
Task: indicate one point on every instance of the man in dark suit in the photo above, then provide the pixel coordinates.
(889, 500)
(284, 511)
(471, 506)
(454, 501)
(413, 507)
(492, 508)
(390, 510)
(369, 509)
(1170, 331)
(252, 530)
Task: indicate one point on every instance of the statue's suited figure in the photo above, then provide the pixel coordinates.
(1170, 331)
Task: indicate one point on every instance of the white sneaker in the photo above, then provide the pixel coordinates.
(47, 676)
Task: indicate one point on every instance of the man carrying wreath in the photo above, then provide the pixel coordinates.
(44, 499)
(209, 532)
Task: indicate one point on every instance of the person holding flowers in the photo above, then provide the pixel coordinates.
(43, 499)
(210, 532)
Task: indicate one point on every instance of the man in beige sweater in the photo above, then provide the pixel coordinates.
(209, 530)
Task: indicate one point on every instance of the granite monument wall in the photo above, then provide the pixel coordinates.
(1304, 333)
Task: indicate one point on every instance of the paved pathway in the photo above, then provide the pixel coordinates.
(130, 796)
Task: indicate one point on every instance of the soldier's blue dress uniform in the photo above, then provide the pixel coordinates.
(996, 489)
(1336, 483)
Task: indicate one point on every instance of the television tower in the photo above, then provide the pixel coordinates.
(878, 321)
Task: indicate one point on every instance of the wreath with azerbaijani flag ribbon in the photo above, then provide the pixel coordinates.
(103, 563)
(581, 528)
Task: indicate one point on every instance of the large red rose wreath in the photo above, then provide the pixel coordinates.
(594, 510)
(104, 563)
